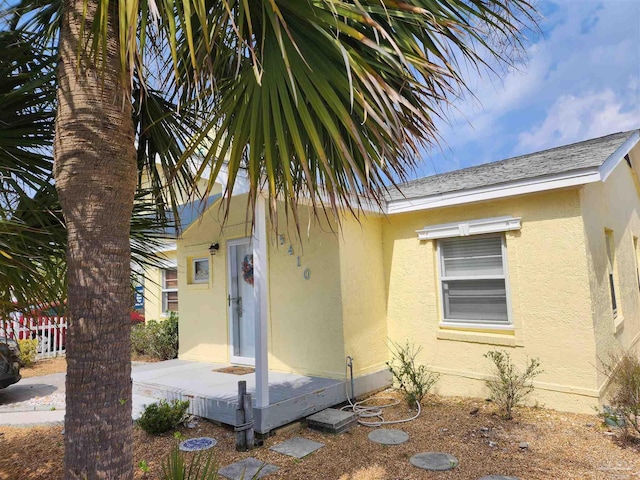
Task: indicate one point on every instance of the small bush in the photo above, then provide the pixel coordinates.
(139, 339)
(28, 351)
(163, 416)
(203, 466)
(623, 372)
(413, 381)
(510, 386)
(156, 339)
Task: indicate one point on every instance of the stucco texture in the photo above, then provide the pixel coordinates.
(204, 328)
(549, 293)
(373, 281)
(305, 321)
(305, 315)
(363, 293)
(613, 205)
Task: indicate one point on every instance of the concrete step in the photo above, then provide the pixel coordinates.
(332, 420)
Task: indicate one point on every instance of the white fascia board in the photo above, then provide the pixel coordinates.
(494, 192)
(616, 157)
(552, 182)
(366, 205)
(471, 227)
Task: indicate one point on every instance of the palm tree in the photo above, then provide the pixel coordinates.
(32, 229)
(330, 100)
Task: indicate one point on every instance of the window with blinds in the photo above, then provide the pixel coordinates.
(169, 291)
(473, 280)
(608, 235)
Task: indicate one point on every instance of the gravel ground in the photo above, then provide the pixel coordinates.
(561, 446)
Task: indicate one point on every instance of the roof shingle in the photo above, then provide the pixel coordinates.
(568, 158)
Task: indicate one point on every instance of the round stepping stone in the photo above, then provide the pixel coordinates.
(498, 477)
(387, 436)
(195, 444)
(437, 461)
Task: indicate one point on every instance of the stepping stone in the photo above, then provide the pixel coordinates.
(195, 444)
(247, 469)
(332, 420)
(297, 447)
(498, 477)
(437, 461)
(387, 436)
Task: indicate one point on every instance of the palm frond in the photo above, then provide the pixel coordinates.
(330, 101)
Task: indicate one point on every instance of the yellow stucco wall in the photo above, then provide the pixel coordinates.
(153, 288)
(549, 292)
(153, 276)
(363, 293)
(613, 205)
(204, 327)
(305, 329)
(306, 314)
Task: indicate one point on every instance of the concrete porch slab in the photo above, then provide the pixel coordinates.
(213, 395)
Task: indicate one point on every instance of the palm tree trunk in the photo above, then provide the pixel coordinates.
(95, 173)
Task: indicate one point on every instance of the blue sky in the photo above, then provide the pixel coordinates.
(581, 80)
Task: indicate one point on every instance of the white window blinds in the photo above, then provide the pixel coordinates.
(473, 280)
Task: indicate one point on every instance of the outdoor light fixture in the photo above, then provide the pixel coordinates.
(213, 249)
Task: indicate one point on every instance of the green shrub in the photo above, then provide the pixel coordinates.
(163, 416)
(203, 466)
(413, 381)
(509, 386)
(139, 339)
(623, 372)
(28, 351)
(157, 339)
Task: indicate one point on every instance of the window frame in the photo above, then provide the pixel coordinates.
(610, 251)
(470, 323)
(635, 258)
(194, 261)
(164, 290)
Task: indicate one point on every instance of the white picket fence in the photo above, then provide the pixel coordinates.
(51, 333)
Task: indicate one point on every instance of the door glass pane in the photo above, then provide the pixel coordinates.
(242, 306)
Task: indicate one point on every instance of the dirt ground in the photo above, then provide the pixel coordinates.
(45, 367)
(59, 365)
(561, 446)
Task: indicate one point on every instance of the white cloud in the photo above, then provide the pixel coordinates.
(588, 47)
(571, 119)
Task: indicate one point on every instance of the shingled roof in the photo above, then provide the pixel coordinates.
(569, 158)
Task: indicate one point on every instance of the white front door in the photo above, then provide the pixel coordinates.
(241, 301)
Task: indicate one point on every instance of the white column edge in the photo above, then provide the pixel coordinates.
(260, 292)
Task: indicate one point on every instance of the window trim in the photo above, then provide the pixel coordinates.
(635, 245)
(479, 226)
(471, 324)
(611, 272)
(193, 270)
(164, 304)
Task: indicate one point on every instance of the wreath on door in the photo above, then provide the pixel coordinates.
(247, 269)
